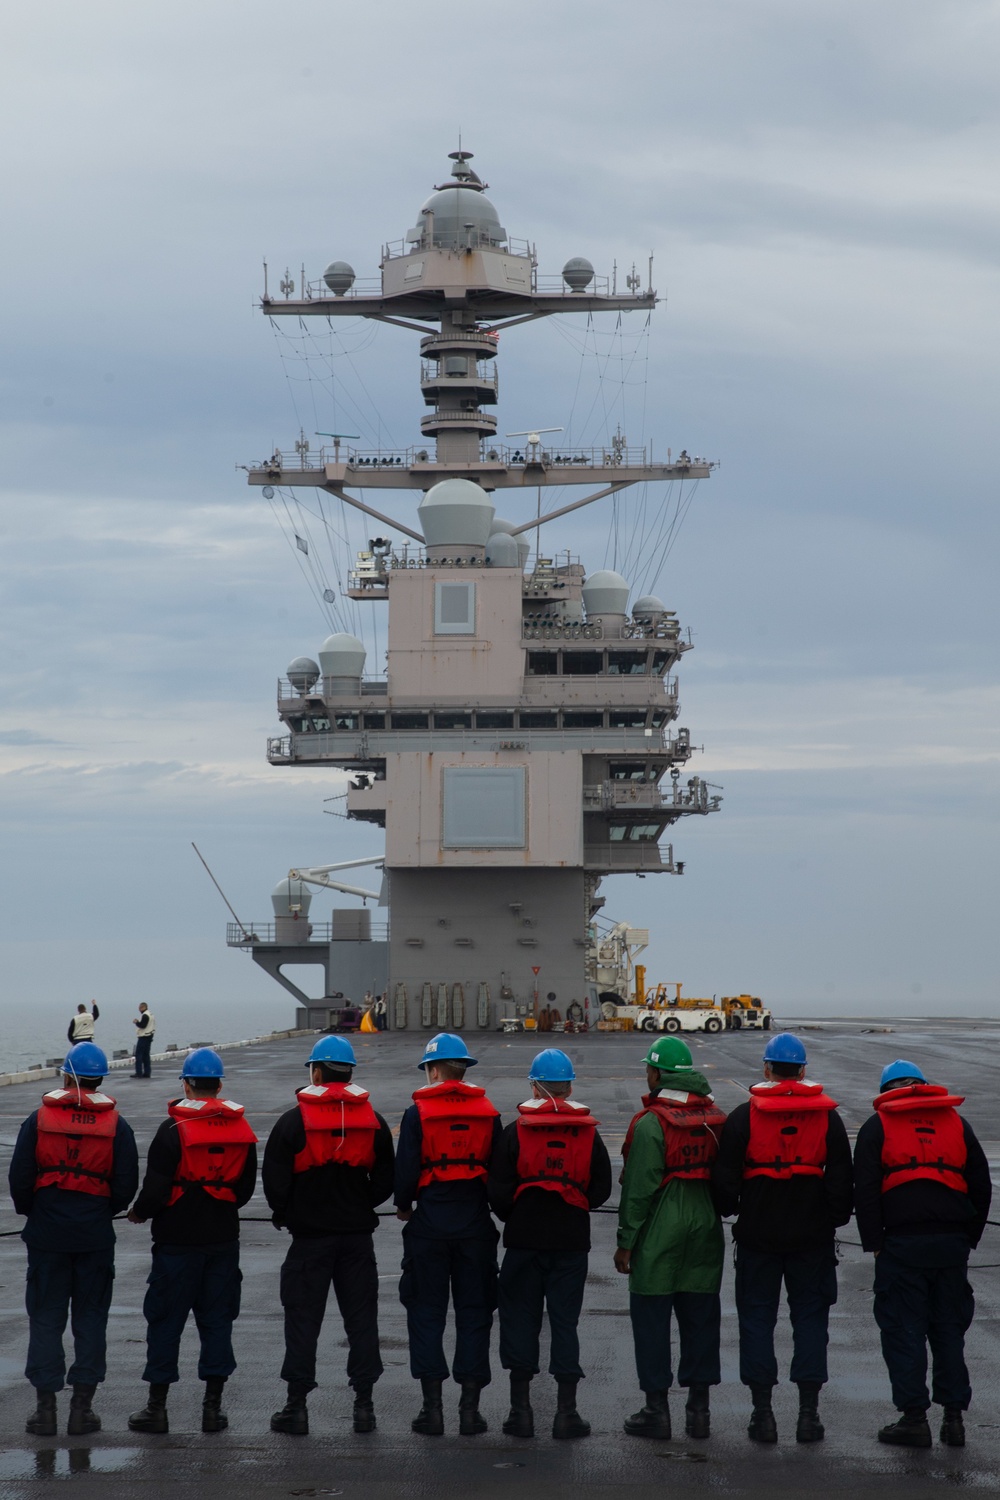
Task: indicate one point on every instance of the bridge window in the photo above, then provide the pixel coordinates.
(582, 663)
(453, 721)
(548, 720)
(374, 721)
(588, 720)
(409, 721)
(543, 663)
(493, 720)
(626, 663)
(627, 718)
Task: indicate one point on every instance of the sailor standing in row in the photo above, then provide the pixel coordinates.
(923, 1192)
(549, 1170)
(74, 1167)
(328, 1164)
(670, 1241)
(446, 1142)
(201, 1170)
(784, 1169)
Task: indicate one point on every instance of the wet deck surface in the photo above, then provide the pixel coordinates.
(251, 1462)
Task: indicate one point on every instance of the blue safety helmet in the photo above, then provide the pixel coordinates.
(446, 1047)
(85, 1060)
(894, 1071)
(551, 1066)
(785, 1048)
(335, 1050)
(203, 1062)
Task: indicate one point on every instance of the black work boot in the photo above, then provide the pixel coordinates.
(521, 1419)
(568, 1422)
(471, 1422)
(153, 1416)
(293, 1417)
(953, 1428)
(697, 1420)
(762, 1428)
(430, 1418)
(651, 1420)
(82, 1417)
(364, 1407)
(213, 1418)
(42, 1421)
(809, 1428)
(912, 1430)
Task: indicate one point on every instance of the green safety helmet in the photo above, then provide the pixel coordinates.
(668, 1054)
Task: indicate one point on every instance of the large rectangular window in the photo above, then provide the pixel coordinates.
(455, 608)
(490, 719)
(542, 719)
(484, 807)
(582, 663)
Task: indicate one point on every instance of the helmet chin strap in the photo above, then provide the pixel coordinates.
(537, 1083)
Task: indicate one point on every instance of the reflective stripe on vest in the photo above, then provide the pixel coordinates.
(340, 1127)
(924, 1137)
(215, 1140)
(75, 1147)
(788, 1126)
(456, 1128)
(555, 1141)
(689, 1123)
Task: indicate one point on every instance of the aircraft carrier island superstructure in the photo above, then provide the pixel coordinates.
(522, 744)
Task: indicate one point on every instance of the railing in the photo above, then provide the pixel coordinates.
(471, 239)
(376, 688)
(238, 936)
(631, 856)
(349, 745)
(614, 456)
(622, 796)
(312, 291)
(431, 373)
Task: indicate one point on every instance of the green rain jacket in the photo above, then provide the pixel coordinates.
(674, 1232)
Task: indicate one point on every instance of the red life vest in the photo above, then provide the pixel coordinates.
(340, 1127)
(788, 1122)
(555, 1139)
(689, 1123)
(924, 1137)
(215, 1139)
(456, 1125)
(75, 1148)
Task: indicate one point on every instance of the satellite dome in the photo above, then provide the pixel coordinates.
(289, 894)
(605, 593)
(302, 673)
(339, 277)
(463, 215)
(577, 273)
(648, 608)
(523, 545)
(342, 657)
(502, 551)
(456, 513)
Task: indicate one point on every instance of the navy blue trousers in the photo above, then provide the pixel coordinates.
(434, 1270)
(923, 1296)
(75, 1284)
(205, 1281)
(530, 1282)
(810, 1278)
(699, 1323)
(143, 1047)
(347, 1263)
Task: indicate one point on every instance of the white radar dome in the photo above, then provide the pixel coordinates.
(502, 551)
(456, 513)
(342, 656)
(577, 273)
(339, 277)
(290, 898)
(648, 607)
(302, 673)
(605, 593)
(523, 545)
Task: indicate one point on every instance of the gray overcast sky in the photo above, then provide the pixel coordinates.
(818, 183)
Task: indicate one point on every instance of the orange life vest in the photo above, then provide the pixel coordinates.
(340, 1127)
(788, 1122)
(690, 1140)
(215, 1139)
(75, 1147)
(555, 1139)
(924, 1137)
(456, 1126)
